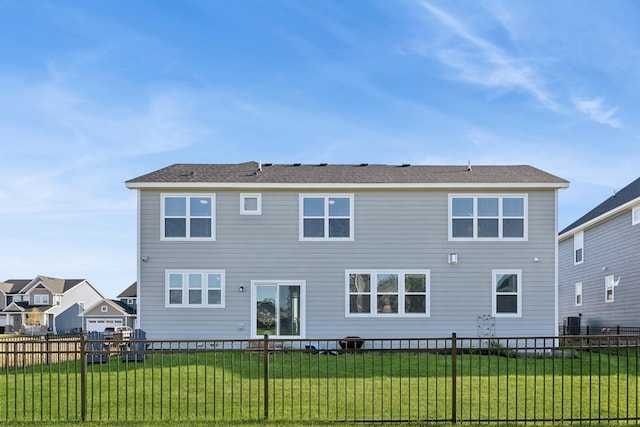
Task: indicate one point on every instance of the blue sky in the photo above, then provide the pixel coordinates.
(93, 93)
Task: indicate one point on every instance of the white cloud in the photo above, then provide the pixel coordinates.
(595, 110)
(485, 64)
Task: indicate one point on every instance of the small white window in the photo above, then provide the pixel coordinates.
(635, 215)
(251, 204)
(507, 293)
(104, 309)
(609, 285)
(578, 294)
(578, 248)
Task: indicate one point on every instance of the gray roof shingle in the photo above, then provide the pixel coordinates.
(255, 173)
(130, 292)
(627, 194)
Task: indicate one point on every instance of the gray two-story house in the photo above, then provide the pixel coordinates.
(328, 251)
(599, 268)
(49, 303)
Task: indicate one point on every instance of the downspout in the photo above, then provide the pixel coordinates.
(555, 222)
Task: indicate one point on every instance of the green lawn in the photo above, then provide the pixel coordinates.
(320, 388)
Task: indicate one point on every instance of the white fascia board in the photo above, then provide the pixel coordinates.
(597, 219)
(235, 185)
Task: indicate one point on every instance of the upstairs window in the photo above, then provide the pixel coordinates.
(41, 299)
(635, 215)
(190, 288)
(487, 217)
(507, 293)
(578, 248)
(326, 217)
(188, 217)
(250, 204)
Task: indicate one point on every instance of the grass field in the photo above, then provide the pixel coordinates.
(229, 387)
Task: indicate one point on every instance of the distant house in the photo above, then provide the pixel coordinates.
(599, 264)
(57, 303)
(300, 251)
(129, 296)
(110, 313)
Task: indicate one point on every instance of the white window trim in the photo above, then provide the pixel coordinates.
(578, 246)
(326, 196)
(185, 289)
(635, 215)
(40, 297)
(401, 294)
(494, 293)
(303, 299)
(609, 282)
(578, 293)
(500, 196)
(258, 197)
(163, 196)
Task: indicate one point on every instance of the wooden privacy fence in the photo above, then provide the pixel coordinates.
(460, 380)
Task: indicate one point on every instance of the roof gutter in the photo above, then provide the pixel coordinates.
(350, 185)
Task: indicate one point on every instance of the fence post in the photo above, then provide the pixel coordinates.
(83, 379)
(454, 375)
(265, 354)
(47, 350)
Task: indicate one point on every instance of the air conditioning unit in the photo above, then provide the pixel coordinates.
(572, 325)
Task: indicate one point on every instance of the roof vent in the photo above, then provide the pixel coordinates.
(364, 164)
(469, 165)
(406, 165)
(260, 166)
(323, 164)
(297, 164)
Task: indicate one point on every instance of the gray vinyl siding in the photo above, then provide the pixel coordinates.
(611, 247)
(69, 319)
(394, 230)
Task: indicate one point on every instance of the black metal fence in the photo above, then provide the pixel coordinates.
(453, 379)
(598, 330)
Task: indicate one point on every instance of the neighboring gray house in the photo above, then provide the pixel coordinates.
(116, 312)
(599, 269)
(328, 251)
(129, 296)
(58, 302)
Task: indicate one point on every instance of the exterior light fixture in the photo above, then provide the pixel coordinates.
(453, 258)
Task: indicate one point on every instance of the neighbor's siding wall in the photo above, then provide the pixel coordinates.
(67, 314)
(393, 230)
(614, 245)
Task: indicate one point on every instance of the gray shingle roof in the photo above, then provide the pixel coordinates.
(16, 285)
(255, 173)
(58, 286)
(130, 292)
(627, 194)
